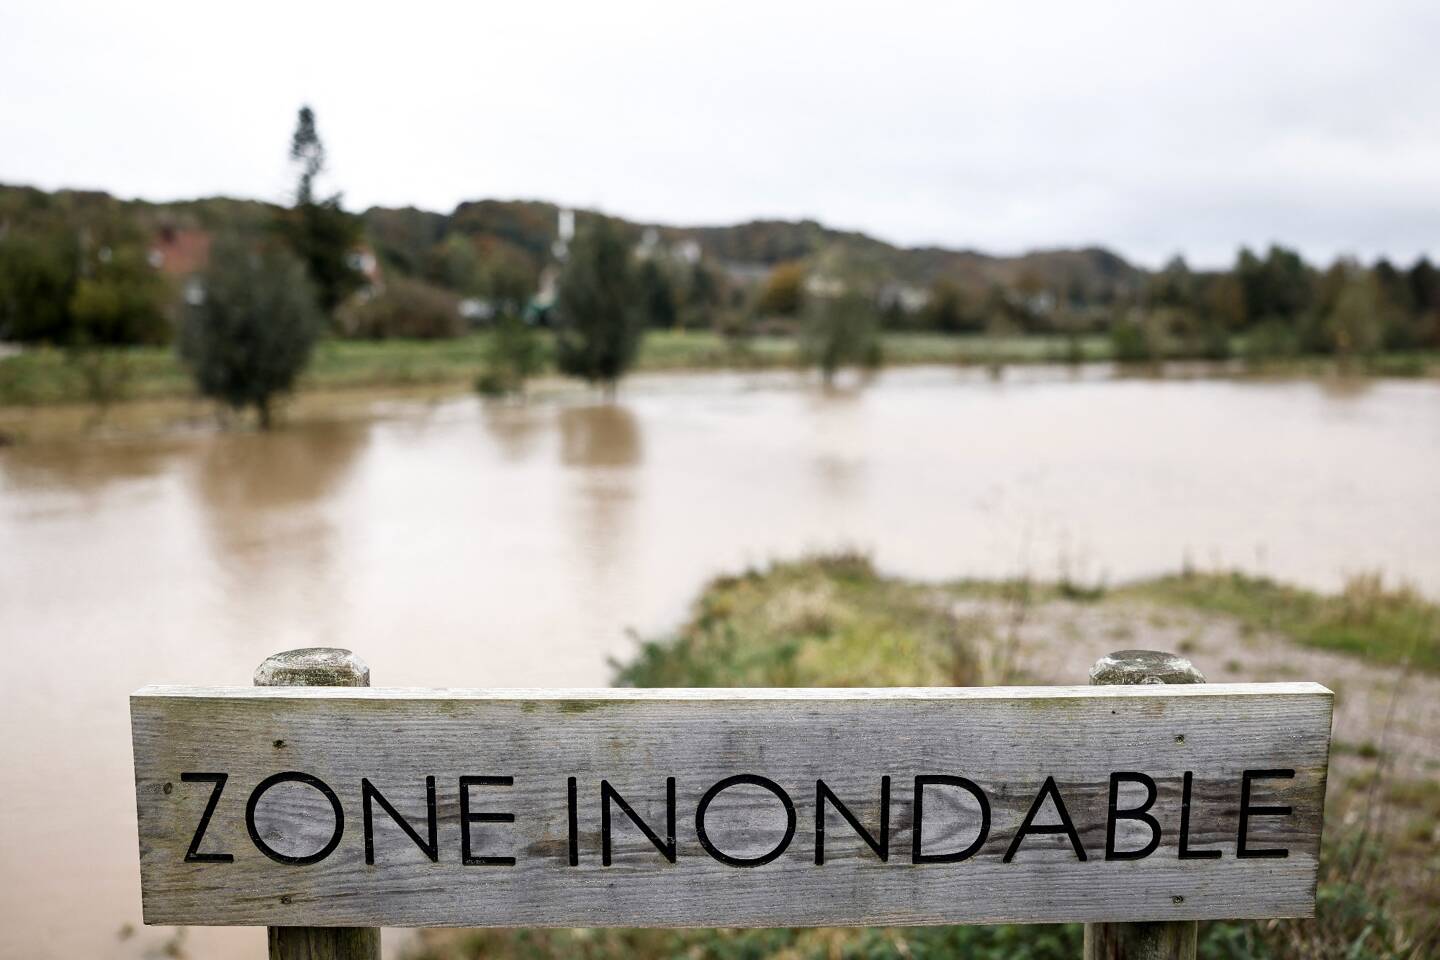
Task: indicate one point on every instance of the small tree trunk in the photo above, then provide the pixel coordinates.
(318, 667)
(1164, 940)
(262, 407)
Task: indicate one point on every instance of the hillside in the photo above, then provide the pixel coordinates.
(523, 232)
(404, 237)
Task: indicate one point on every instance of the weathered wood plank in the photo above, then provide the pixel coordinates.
(1006, 741)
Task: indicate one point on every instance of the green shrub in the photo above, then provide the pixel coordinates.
(600, 316)
(1134, 338)
(1369, 619)
(407, 309)
(1270, 340)
(828, 621)
(839, 332)
(513, 355)
(255, 329)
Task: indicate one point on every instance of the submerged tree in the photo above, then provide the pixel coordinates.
(600, 319)
(1355, 322)
(658, 296)
(119, 300)
(703, 294)
(951, 309)
(784, 292)
(320, 231)
(513, 355)
(839, 332)
(254, 331)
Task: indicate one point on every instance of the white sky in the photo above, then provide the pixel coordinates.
(1150, 127)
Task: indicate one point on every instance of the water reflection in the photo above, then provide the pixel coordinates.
(840, 440)
(839, 476)
(83, 467)
(1346, 388)
(269, 508)
(516, 428)
(607, 435)
(602, 445)
(240, 476)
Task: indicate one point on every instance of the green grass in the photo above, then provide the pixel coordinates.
(1367, 619)
(47, 376)
(828, 622)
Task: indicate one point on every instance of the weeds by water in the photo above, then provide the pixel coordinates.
(1367, 619)
(827, 622)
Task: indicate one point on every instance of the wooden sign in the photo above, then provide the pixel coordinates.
(396, 807)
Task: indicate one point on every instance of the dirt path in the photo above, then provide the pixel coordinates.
(1385, 757)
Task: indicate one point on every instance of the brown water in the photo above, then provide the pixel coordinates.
(464, 544)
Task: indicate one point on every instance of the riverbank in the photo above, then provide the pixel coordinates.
(46, 377)
(834, 621)
(45, 394)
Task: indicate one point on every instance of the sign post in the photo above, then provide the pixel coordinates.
(318, 667)
(1160, 940)
(1136, 808)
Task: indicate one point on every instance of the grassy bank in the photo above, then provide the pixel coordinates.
(1367, 619)
(47, 376)
(834, 621)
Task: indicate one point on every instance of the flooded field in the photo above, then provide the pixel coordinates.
(459, 543)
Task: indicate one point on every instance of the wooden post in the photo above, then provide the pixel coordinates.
(318, 667)
(1162, 940)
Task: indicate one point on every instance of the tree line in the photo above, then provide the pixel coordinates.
(1277, 305)
(1273, 305)
(77, 272)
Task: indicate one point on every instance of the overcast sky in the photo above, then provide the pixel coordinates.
(1149, 127)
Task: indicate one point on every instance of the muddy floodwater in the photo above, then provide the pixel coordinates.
(466, 544)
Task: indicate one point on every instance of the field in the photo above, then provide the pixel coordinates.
(40, 377)
(834, 621)
(51, 376)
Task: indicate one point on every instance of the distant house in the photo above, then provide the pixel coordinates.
(904, 297)
(477, 310)
(364, 262)
(653, 247)
(649, 245)
(540, 306)
(746, 274)
(824, 286)
(181, 254)
(564, 233)
(689, 251)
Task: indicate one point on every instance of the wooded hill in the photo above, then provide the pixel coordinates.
(523, 232)
(407, 237)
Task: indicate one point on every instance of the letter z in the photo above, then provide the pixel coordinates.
(193, 855)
